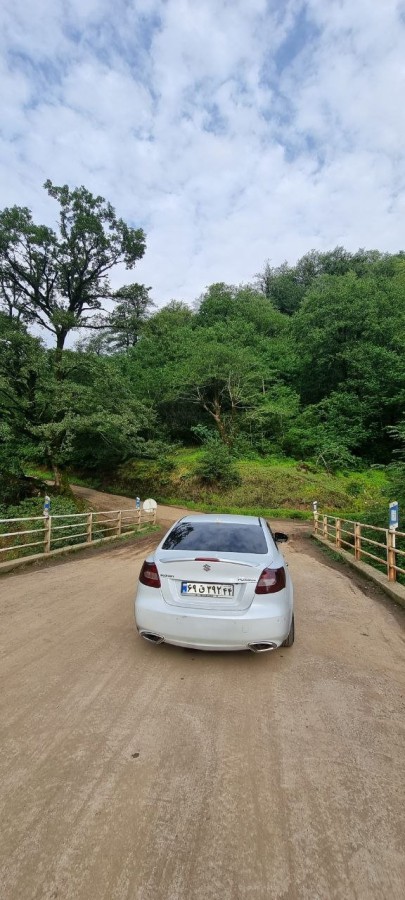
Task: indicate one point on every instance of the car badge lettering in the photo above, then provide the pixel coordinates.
(207, 568)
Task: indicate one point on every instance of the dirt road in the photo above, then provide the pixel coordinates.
(133, 772)
(106, 502)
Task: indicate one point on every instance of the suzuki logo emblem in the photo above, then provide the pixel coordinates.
(207, 568)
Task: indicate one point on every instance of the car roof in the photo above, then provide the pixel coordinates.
(222, 517)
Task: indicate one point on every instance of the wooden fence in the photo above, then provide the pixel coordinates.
(383, 546)
(41, 535)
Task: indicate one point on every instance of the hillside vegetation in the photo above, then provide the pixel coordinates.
(287, 389)
(271, 487)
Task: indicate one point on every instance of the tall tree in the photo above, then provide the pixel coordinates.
(132, 309)
(21, 366)
(120, 329)
(60, 279)
(281, 286)
(89, 418)
(286, 286)
(350, 335)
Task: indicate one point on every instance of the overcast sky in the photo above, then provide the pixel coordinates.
(232, 131)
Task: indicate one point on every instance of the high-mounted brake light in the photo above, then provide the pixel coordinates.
(149, 575)
(206, 559)
(271, 581)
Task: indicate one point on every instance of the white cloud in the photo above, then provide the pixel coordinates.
(232, 131)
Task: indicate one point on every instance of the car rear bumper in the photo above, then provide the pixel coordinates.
(263, 622)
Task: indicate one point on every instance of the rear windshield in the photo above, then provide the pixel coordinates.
(217, 537)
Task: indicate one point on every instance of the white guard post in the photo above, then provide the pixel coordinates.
(393, 522)
(315, 509)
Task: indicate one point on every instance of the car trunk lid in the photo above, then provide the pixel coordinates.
(224, 582)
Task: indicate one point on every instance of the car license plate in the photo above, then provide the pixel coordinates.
(203, 589)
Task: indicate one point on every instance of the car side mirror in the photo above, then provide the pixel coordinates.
(280, 537)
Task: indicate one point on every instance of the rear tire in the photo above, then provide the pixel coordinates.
(290, 639)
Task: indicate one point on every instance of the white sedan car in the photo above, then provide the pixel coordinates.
(217, 582)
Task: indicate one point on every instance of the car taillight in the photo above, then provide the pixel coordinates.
(149, 575)
(271, 581)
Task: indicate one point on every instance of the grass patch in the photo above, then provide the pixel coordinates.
(44, 474)
(273, 486)
(40, 472)
(220, 507)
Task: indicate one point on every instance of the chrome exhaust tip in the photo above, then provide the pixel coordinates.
(152, 638)
(262, 646)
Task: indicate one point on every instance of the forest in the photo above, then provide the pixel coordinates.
(303, 366)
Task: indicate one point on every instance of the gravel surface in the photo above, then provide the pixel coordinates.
(133, 772)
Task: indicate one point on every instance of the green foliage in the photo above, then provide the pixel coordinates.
(274, 483)
(286, 286)
(59, 279)
(215, 503)
(354, 488)
(306, 363)
(216, 465)
(133, 307)
(121, 329)
(145, 477)
(282, 287)
(21, 365)
(350, 332)
(69, 411)
(203, 433)
(87, 417)
(396, 488)
(34, 506)
(12, 486)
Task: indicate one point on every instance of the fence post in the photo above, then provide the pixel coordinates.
(357, 540)
(325, 527)
(315, 522)
(47, 533)
(139, 519)
(392, 575)
(119, 523)
(154, 516)
(338, 533)
(89, 528)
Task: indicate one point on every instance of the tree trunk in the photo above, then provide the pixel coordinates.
(61, 481)
(57, 476)
(216, 413)
(214, 409)
(60, 343)
(61, 336)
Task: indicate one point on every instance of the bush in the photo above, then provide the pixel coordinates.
(13, 484)
(217, 466)
(34, 506)
(354, 488)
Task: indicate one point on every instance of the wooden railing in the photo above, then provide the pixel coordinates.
(41, 535)
(383, 546)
